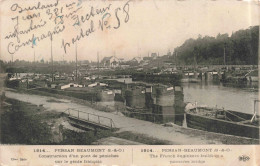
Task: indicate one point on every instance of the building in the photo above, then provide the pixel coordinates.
(147, 59)
(97, 84)
(111, 61)
(154, 55)
(169, 53)
(137, 59)
(65, 86)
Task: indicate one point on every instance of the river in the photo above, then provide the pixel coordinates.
(215, 94)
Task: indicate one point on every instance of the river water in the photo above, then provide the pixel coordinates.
(215, 94)
(205, 93)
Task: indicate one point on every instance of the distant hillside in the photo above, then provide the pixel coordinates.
(240, 48)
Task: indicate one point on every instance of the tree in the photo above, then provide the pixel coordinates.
(240, 48)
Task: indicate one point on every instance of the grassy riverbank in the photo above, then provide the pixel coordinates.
(24, 123)
(28, 124)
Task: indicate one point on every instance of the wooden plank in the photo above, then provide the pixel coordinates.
(89, 122)
(82, 126)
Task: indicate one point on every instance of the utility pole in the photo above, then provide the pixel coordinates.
(98, 63)
(175, 58)
(195, 53)
(34, 60)
(76, 63)
(12, 60)
(224, 54)
(52, 62)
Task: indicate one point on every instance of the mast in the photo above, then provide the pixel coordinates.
(195, 62)
(254, 115)
(195, 53)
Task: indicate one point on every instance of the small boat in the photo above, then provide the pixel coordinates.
(223, 121)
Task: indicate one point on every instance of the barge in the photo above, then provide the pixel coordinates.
(223, 121)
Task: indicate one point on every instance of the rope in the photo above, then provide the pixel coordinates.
(229, 119)
(234, 115)
(150, 113)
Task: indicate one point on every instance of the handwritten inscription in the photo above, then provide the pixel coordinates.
(16, 7)
(34, 23)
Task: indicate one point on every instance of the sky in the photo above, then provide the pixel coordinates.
(153, 26)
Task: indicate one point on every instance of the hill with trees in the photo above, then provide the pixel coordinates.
(241, 48)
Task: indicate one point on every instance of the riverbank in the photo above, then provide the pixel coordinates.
(173, 135)
(167, 134)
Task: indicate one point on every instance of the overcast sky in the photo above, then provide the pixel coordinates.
(153, 26)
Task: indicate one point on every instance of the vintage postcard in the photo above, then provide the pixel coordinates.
(129, 82)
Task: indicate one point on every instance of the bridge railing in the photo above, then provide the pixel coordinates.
(81, 115)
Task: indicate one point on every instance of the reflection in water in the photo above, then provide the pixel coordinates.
(170, 107)
(215, 94)
(179, 106)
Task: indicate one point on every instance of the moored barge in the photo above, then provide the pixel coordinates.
(223, 121)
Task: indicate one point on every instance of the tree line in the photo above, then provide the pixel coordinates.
(241, 48)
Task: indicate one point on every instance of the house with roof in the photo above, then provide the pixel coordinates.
(63, 86)
(154, 55)
(97, 84)
(137, 59)
(111, 61)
